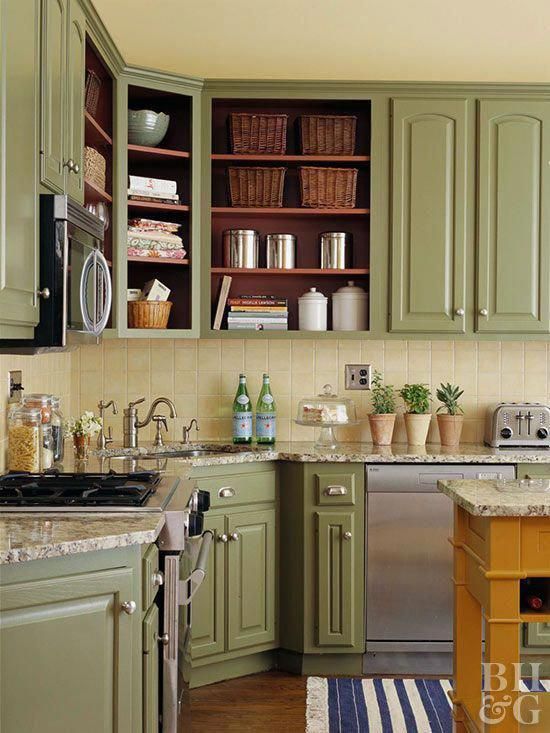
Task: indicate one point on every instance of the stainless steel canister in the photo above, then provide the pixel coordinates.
(241, 248)
(336, 250)
(280, 251)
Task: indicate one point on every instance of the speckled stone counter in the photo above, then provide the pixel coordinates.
(504, 498)
(25, 536)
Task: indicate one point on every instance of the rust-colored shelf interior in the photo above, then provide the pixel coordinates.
(169, 160)
(305, 223)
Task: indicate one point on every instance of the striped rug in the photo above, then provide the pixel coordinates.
(354, 705)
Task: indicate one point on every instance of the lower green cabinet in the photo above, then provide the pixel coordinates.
(67, 652)
(151, 670)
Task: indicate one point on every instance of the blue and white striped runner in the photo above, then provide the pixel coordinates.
(354, 705)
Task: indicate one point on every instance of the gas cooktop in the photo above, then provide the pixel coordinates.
(108, 492)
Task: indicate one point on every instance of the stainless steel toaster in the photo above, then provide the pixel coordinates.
(518, 424)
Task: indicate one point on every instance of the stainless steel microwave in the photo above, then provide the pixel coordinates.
(75, 281)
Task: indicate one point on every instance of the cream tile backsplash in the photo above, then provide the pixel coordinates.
(200, 376)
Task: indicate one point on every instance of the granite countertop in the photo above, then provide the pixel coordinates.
(25, 536)
(503, 498)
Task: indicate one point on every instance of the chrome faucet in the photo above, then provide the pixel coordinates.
(131, 423)
(187, 429)
(102, 439)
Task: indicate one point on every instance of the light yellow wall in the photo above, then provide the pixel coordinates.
(469, 40)
(50, 373)
(201, 377)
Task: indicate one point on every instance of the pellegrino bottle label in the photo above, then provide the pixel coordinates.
(242, 425)
(265, 425)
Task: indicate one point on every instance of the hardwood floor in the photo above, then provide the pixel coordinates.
(272, 702)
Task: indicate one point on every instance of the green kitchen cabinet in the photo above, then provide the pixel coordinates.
(67, 653)
(513, 266)
(19, 135)
(151, 670)
(429, 214)
(62, 98)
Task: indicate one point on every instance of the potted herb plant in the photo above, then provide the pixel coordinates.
(417, 412)
(382, 419)
(450, 423)
(81, 430)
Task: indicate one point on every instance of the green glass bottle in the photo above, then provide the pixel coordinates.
(242, 414)
(266, 419)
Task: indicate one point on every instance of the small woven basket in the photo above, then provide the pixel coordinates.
(95, 167)
(328, 188)
(149, 313)
(258, 133)
(256, 186)
(91, 93)
(328, 134)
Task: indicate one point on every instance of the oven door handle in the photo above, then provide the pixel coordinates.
(190, 585)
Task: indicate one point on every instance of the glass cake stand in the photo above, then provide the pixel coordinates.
(326, 411)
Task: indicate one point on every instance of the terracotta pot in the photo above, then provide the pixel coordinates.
(81, 445)
(450, 429)
(381, 428)
(417, 427)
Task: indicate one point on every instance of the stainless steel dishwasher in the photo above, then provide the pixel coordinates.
(409, 597)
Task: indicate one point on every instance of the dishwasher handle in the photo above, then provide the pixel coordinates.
(190, 585)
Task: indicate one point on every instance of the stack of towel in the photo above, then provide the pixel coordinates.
(151, 238)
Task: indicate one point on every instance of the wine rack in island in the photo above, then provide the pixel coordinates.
(305, 222)
(159, 194)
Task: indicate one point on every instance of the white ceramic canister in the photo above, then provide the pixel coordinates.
(312, 311)
(350, 308)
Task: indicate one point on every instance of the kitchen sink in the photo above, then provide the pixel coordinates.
(191, 453)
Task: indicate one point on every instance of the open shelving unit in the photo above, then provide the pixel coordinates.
(170, 160)
(305, 223)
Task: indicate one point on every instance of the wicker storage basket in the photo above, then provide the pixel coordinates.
(95, 167)
(258, 133)
(328, 188)
(91, 93)
(328, 134)
(149, 313)
(256, 186)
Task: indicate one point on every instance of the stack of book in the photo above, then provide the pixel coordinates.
(257, 313)
(153, 189)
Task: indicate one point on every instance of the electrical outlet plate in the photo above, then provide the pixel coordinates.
(357, 376)
(15, 385)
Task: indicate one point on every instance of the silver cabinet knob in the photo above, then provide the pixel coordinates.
(223, 538)
(235, 537)
(483, 312)
(347, 535)
(158, 578)
(459, 311)
(76, 168)
(44, 293)
(164, 639)
(128, 607)
(69, 164)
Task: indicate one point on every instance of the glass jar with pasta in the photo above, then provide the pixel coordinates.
(24, 439)
(43, 402)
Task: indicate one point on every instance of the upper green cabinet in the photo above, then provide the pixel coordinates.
(62, 101)
(19, 113)
(514, 217)
(428, 210)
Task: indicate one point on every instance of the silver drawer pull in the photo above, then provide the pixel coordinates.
(225, 492)
(336, 490)
(158, 578)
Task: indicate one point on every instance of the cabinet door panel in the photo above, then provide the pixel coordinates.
(151, 671)
(66, 642)
(19, 126)
(208, 607)
(335, 581)
(54, 109)
(514, 221)
(429, 214)
(75, 100)
(251, 579)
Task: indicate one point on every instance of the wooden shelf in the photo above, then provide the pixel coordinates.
(296, 271)
(93, 132)
(305, 159)
(143, 152)
(265, 211)
(157, 260)
(153, 206)
(93, 194)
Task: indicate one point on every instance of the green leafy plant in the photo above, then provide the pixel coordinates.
(449, 395)
(416, 398)
(383, 396)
